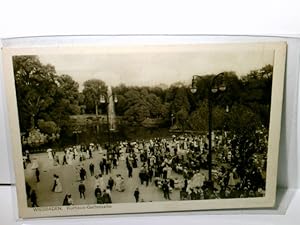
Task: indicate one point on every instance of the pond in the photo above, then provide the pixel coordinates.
(99, 134)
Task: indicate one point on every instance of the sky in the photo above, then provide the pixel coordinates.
(155, 68)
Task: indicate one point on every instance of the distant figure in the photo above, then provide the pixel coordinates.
(65, 160)
(54, 158)
(102, 184)
(65, 202)
(101, 166)
(33, 199)
(106, 197)
(58, 187)
(28, 189)
(57, 159)
(166, 190)
(231, 182)
(27, 154)
(97, 182)
(50, 156)
(37, 174)
(108, 166)
(91, 167)
(35, 163)
(136, 195)
(82, 174)
(81, 189)
(111, 183)
(97, 191)
(108, 191)
(115, 162)
(129, 167)
(54, 184)
(99, 198)
(68, 200)
(120, 186)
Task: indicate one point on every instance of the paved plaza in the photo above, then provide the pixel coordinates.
(69, 178)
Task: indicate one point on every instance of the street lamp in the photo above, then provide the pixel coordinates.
(172, 119)
(227, 109)
(77, 131)
(213, 88)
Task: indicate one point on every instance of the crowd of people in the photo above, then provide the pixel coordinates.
(178, 163)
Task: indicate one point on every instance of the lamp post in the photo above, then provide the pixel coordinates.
(104, 99)
(172, 119)
(213, 88)
(77, 131)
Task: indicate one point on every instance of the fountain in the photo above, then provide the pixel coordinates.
(111, 110)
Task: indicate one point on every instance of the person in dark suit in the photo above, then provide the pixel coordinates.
(97, 191)
(111, 183)
(166, 190)
(55, 183)
(106, 197)
(81, 189)
(37, 174)
(91, 167)
(82, 174)
(28, 190)
(136, 194)
(129, 167)
(101, 165)
(33, 199)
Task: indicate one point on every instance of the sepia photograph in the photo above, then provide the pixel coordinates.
(132, 129)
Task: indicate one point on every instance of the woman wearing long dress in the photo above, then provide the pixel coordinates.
(35, 164)
(50, 156)
(122, 184)
(58, 187)
(231, 181)
(102, 184)
(97, 182)
(118, 183)
(75, 153)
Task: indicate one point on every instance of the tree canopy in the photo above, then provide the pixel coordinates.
(46, 100)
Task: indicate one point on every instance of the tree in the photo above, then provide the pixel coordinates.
(35, 88)
(45, 99)
(243, 120)
(66, 100)
(136, 107)
(178, 98)
(92, 91)
(155, 106)
(182, 116)
(198, 118)
(256, 92)
(48, 127)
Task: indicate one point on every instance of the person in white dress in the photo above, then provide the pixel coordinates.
(50, 156)
(35, 164)
(169, 171)
(97, 182)
(102, 184)
(120, 183)
(58, 187)
(231, 181)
